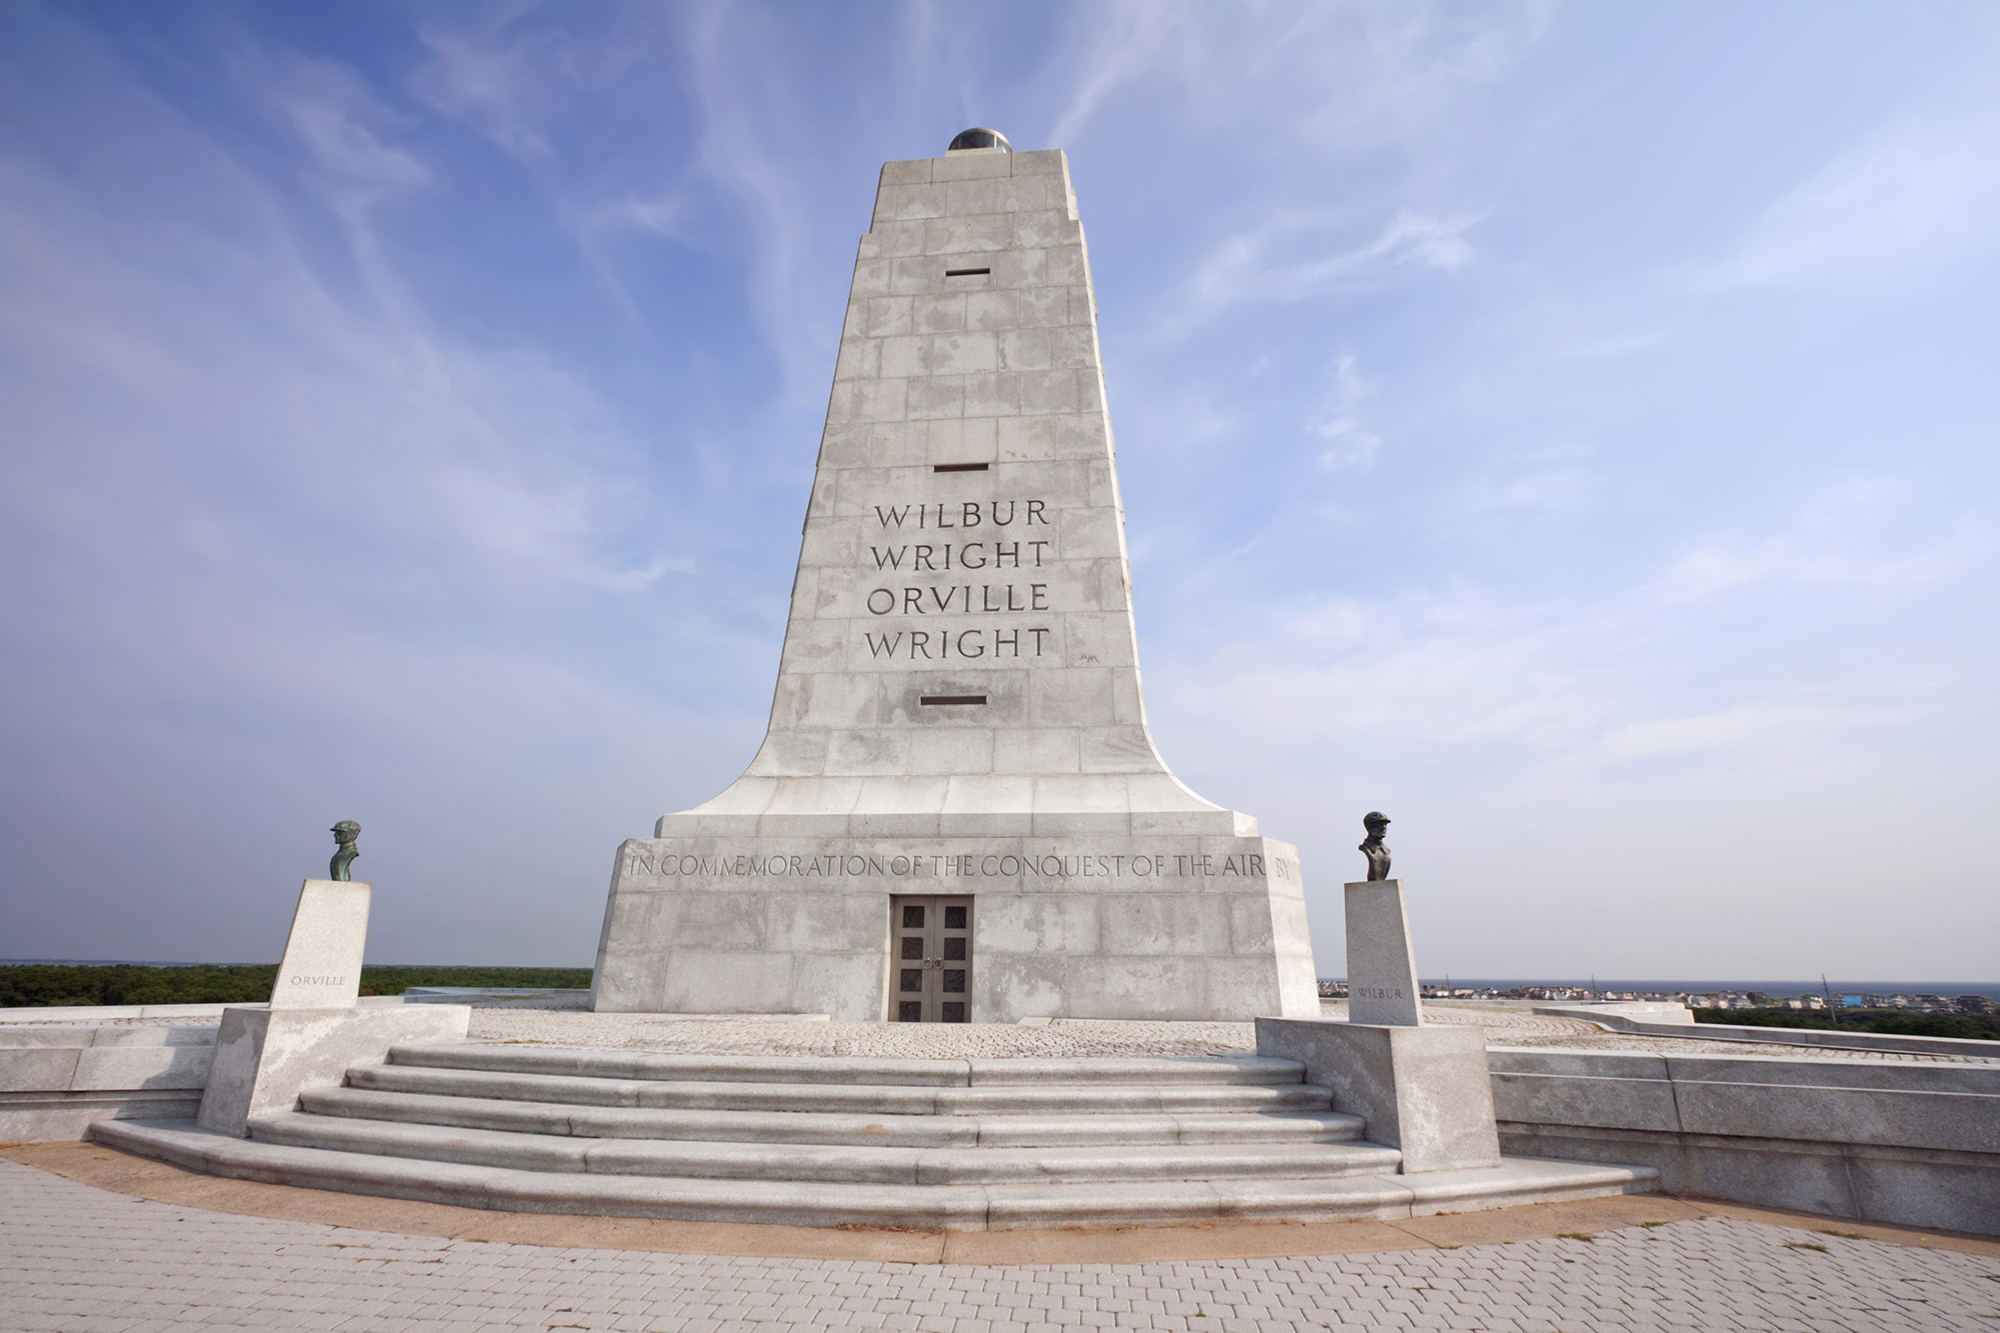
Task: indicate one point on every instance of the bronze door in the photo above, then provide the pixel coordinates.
(930, 966)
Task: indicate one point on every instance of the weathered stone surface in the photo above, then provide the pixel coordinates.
(1916, 1144)
(322, 963)
(265, 1057)
(1424, 1090)
(1128, 927)
(959, 689)
(1381, 962)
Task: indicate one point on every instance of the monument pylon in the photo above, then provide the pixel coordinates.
(958, 813)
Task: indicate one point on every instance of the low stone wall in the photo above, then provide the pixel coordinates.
(1903, 1142)
(56, 1079)
(1626, 1018)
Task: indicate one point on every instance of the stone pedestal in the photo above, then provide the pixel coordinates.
(1381, 964)
(322, 964)
(312, 1030)
(265, 1057)
(1423, 1090)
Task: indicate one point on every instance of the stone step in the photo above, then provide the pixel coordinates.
(899, 1131)
(923, 1207)
(861, 1099)
(819, 1163)
(586, 1062)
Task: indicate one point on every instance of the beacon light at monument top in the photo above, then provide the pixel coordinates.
(957, 813)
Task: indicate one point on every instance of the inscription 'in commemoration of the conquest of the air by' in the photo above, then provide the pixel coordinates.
(639, 858)
(969, 539)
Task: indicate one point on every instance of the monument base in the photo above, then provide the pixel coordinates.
(1423, 1090)
(264, 1057)
(1141, 926)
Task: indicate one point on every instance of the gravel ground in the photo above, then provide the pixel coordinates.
(1065, 1036)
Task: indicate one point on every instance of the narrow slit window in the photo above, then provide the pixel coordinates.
(966, 272)
(948, 700)
(960, 467)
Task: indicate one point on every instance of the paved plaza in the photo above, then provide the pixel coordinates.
(79, 1259)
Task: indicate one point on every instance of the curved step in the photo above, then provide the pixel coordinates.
(960, 1207)
(824, 1162)
(589, 1062)
(902, 1131)
(876, 1099)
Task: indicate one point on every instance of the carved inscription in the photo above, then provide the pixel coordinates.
(1007, 540)
(639, 859)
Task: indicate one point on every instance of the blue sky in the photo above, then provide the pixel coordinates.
(1568, 428)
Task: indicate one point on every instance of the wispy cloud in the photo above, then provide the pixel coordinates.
(1823, 544)
(1252, 266)
(1349, 445)
(1914, 193)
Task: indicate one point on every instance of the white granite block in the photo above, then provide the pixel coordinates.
(890, 240)
(939, 395)
(1073, 347)
(1034, 194)
(1381, 964)
(972, 164)
(881, 317)
(1033, 750)
(904, 202)
(967, 439)
(265, 1057)
(869, 400)
(1423, 1090)
(1027, 439)
(990, 793)
(1024, 349)
(963, 353)
(860, 358)
(1040, 228)
(904, 355)
(321, 968)
(1126, 749)
(897, 444)
(953, 751)
(991, 310)
(915, 172)
(939, 312)
(985, 234)
(967, 197)
(1021, 268)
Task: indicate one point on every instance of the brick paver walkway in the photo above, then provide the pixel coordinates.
(75, 1259)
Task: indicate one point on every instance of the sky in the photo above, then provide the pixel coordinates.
(1568, 428)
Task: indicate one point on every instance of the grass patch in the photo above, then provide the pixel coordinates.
(1844, 1235)
(1806, 1245)
(1583, 1236)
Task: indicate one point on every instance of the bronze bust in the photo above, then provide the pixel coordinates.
(344, 833)
(1373, 847)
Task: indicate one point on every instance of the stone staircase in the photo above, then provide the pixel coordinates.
(956, 1144)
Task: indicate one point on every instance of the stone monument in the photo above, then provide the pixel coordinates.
(313, 1029)
(957, 813)
(1425, 1090)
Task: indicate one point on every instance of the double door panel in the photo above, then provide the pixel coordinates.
(930, 959)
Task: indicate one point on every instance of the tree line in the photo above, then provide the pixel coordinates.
(25, 985)
(1889, 1022)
